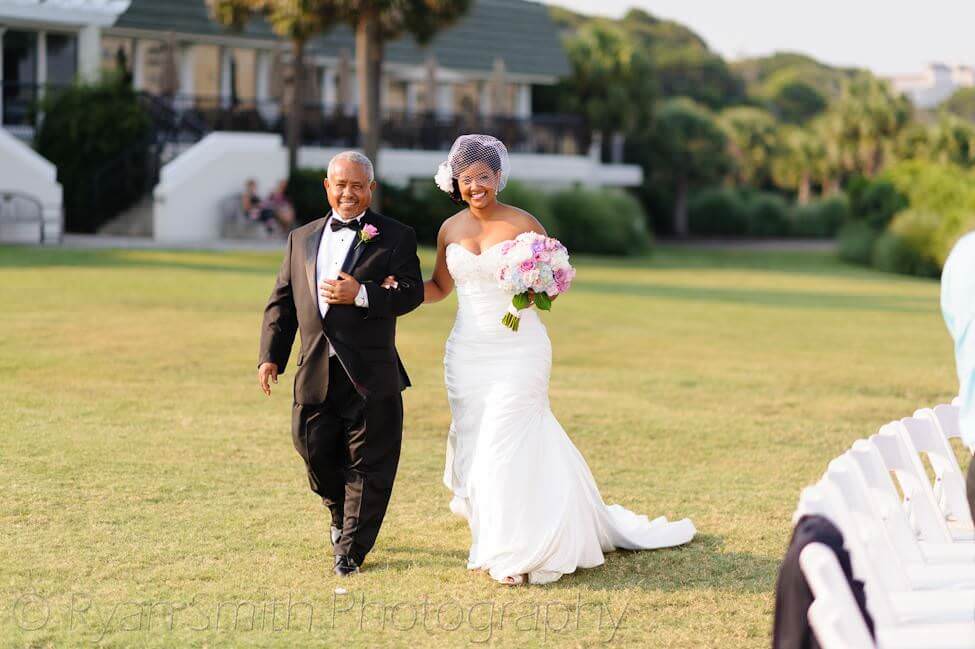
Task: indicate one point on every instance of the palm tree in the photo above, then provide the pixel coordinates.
(375, 22)
(794, 165)
(690, 149)
(751, 142)
(296, 20)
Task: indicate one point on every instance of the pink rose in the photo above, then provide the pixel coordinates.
(369, 231)
(527, 265)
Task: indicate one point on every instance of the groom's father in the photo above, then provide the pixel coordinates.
(347, 420)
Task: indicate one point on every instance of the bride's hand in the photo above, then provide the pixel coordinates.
(390, 282)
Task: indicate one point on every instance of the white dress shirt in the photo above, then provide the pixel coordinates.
(332, 251)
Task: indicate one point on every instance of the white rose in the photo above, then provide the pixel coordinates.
(444, 178)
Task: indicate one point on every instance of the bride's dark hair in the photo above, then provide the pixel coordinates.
(470, 152)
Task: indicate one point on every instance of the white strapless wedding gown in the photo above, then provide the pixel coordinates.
(526, 491)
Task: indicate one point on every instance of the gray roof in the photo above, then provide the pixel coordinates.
(518, 31)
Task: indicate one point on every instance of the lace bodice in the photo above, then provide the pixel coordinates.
(471, 270)
(480, 301)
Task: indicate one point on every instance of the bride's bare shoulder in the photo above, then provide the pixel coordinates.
(451, 225)
(523, 221)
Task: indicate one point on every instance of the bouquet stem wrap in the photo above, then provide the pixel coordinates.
(512, 318)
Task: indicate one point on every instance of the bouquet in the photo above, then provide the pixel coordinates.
(532, 266)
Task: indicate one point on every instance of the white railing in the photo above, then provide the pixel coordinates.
(25, 172)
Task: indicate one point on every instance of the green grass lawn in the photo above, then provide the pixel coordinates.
(150, 494)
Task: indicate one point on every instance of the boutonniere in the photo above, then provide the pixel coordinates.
(367, 233)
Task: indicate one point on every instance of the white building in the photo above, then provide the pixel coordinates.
(479, 75)
(934, 84)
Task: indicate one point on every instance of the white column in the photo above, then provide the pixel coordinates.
(262, 76)
(225, 76)
(89, 53)
(138, 64)
(523, 103)
(262, 93)
(485, 99)
(187, 82)
(41, 63)
(329, 93)
(412, 97)
(2, 30)
(445, 99)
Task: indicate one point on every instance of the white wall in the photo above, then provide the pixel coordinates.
(191, 187)
(398, 166)
(25, 171)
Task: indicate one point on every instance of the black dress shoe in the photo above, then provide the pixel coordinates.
(345, 565)
(336, 534)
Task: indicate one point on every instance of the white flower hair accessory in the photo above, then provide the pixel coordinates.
(468, 150)
(444, 178)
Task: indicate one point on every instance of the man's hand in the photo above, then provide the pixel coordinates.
(266, 373)
(339, 291)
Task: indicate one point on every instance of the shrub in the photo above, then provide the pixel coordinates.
(717, 211)
(916, 231)
(877, 202)
(895, 254)
(856, 242)
(533, 201)
(422, 206)
(607, 222)
(86, 132)
(822, 218)
(307, 195)
(768, 215)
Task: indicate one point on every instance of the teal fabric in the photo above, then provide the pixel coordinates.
(958, 308)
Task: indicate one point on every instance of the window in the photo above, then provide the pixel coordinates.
(62, 59)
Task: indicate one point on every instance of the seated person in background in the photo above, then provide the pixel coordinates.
(958, 308)
(250, 202)
(254, 209)
(279, 205)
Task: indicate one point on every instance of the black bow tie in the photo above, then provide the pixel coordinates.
(338, 224)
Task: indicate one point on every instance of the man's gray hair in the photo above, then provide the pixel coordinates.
(353, 156)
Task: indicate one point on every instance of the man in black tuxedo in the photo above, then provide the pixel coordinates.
(347, 419)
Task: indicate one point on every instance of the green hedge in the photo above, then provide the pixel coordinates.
(718, 211)
(856, 241)
(822, 218)
(588, 221)
(768, 215)
(85, 129)
(602, 222)
(733, 212)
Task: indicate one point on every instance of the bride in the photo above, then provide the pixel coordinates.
(532, 504)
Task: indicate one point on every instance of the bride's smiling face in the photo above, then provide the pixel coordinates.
(479, 184)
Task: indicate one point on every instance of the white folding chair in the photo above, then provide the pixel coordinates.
(887, 509)
(921, 436)
(838, 624)
(919, 503)
(870, 546)
(834, 615)
(947, 420)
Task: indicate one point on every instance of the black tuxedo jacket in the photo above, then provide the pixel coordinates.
(364, 339)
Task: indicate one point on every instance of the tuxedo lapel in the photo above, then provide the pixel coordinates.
(358, 246)
(312, 243)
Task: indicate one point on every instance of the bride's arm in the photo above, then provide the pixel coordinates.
(441, 283)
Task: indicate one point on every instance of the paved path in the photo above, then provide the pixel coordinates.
(771, 245)
(147, 243)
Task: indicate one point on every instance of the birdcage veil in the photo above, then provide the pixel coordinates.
(468, 150)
